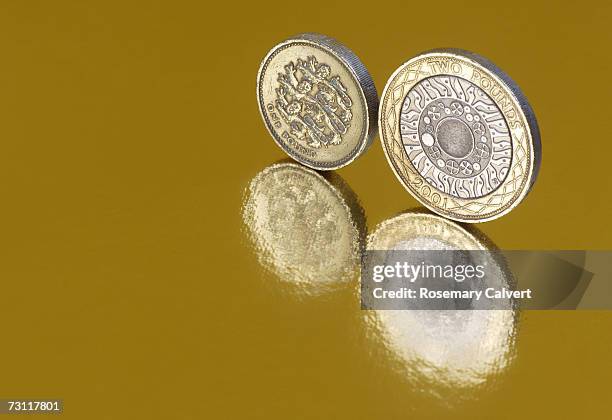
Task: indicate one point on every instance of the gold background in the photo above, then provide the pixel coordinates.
(129, 131)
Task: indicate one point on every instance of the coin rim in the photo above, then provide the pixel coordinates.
(522, 106)
(363, 80)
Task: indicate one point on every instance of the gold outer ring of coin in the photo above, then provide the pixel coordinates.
(324, 113)
(498, 191)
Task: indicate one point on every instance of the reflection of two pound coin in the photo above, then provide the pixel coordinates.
(317, 101)
(459, 135)
(456, 348)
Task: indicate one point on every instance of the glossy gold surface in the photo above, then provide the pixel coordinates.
(130, 133)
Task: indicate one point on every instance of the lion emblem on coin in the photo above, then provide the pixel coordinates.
(314, 104)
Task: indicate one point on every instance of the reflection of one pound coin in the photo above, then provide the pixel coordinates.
(459, 135)
(318, 101)
(305, 228)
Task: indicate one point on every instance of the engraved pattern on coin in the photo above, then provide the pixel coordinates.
(314, 104)
(455, 136)
(517, 114)
(317, 101)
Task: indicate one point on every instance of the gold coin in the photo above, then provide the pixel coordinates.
(317, 101)
(459, 135)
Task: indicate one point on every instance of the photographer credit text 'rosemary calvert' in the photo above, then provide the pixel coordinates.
(442, 279)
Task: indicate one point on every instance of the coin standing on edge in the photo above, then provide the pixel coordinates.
(459, 135)
(317, 100)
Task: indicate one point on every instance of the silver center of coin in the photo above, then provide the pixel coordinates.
(314, 103)
(456, 136)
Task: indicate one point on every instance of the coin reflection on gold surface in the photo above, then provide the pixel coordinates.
(305, 228)
(448, 348)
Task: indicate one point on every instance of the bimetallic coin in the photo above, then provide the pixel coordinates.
(304, 228)
(318, 101)
(459, 135)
